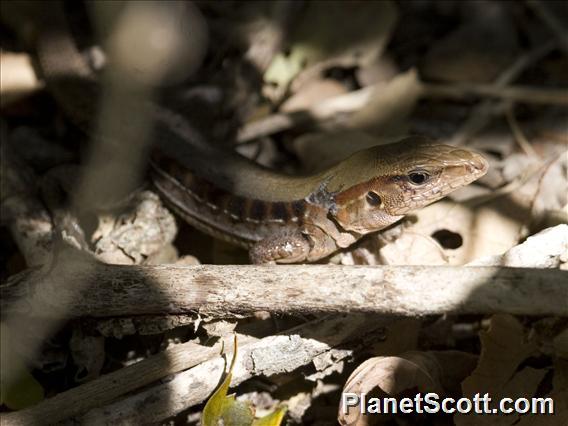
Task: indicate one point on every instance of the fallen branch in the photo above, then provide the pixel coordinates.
(100, 290)
(353, 101)
(288, 351)
(266, 357)
(109, 387)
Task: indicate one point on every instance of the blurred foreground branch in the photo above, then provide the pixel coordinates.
(27, 219)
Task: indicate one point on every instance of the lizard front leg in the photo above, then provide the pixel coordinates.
(293, 246)
(287, 246)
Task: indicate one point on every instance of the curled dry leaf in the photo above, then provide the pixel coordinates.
(389, 106)
(313, 92)
(391, 376)
(559, 395)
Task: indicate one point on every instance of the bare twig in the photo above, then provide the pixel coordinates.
(519, 134)
(112, 290)
(551, 22)
(481, 115)
(514, 94)
(353, 101)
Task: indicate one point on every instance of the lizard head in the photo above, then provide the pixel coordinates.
(387, 182)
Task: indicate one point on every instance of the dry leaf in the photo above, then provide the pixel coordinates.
(559, 395)
(324, 34)
(313, 92)
(543, 250)
(391, 376)
(388, 107)
(413, 248)
(504, 348)
(467, 233)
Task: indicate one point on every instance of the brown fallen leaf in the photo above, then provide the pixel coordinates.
(559, 395)
(334, 32)
(391, 376)
(473, 229)
(313, 92)
(504, 348)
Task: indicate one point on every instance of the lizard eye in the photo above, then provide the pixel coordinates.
(373, 199)
(418, 177)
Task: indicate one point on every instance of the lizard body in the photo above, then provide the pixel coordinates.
(280, 218)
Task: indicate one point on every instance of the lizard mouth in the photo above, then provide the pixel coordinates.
(477, 165)
(472, 168)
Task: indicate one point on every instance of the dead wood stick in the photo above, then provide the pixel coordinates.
(291, 349)
(109, 387)
(101, 290)
(266, 357)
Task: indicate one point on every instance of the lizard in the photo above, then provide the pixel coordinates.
(279, 218)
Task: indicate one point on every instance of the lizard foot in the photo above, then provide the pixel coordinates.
(285, 247)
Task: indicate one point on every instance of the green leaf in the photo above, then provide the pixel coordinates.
(225, 410)
(273, 419)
